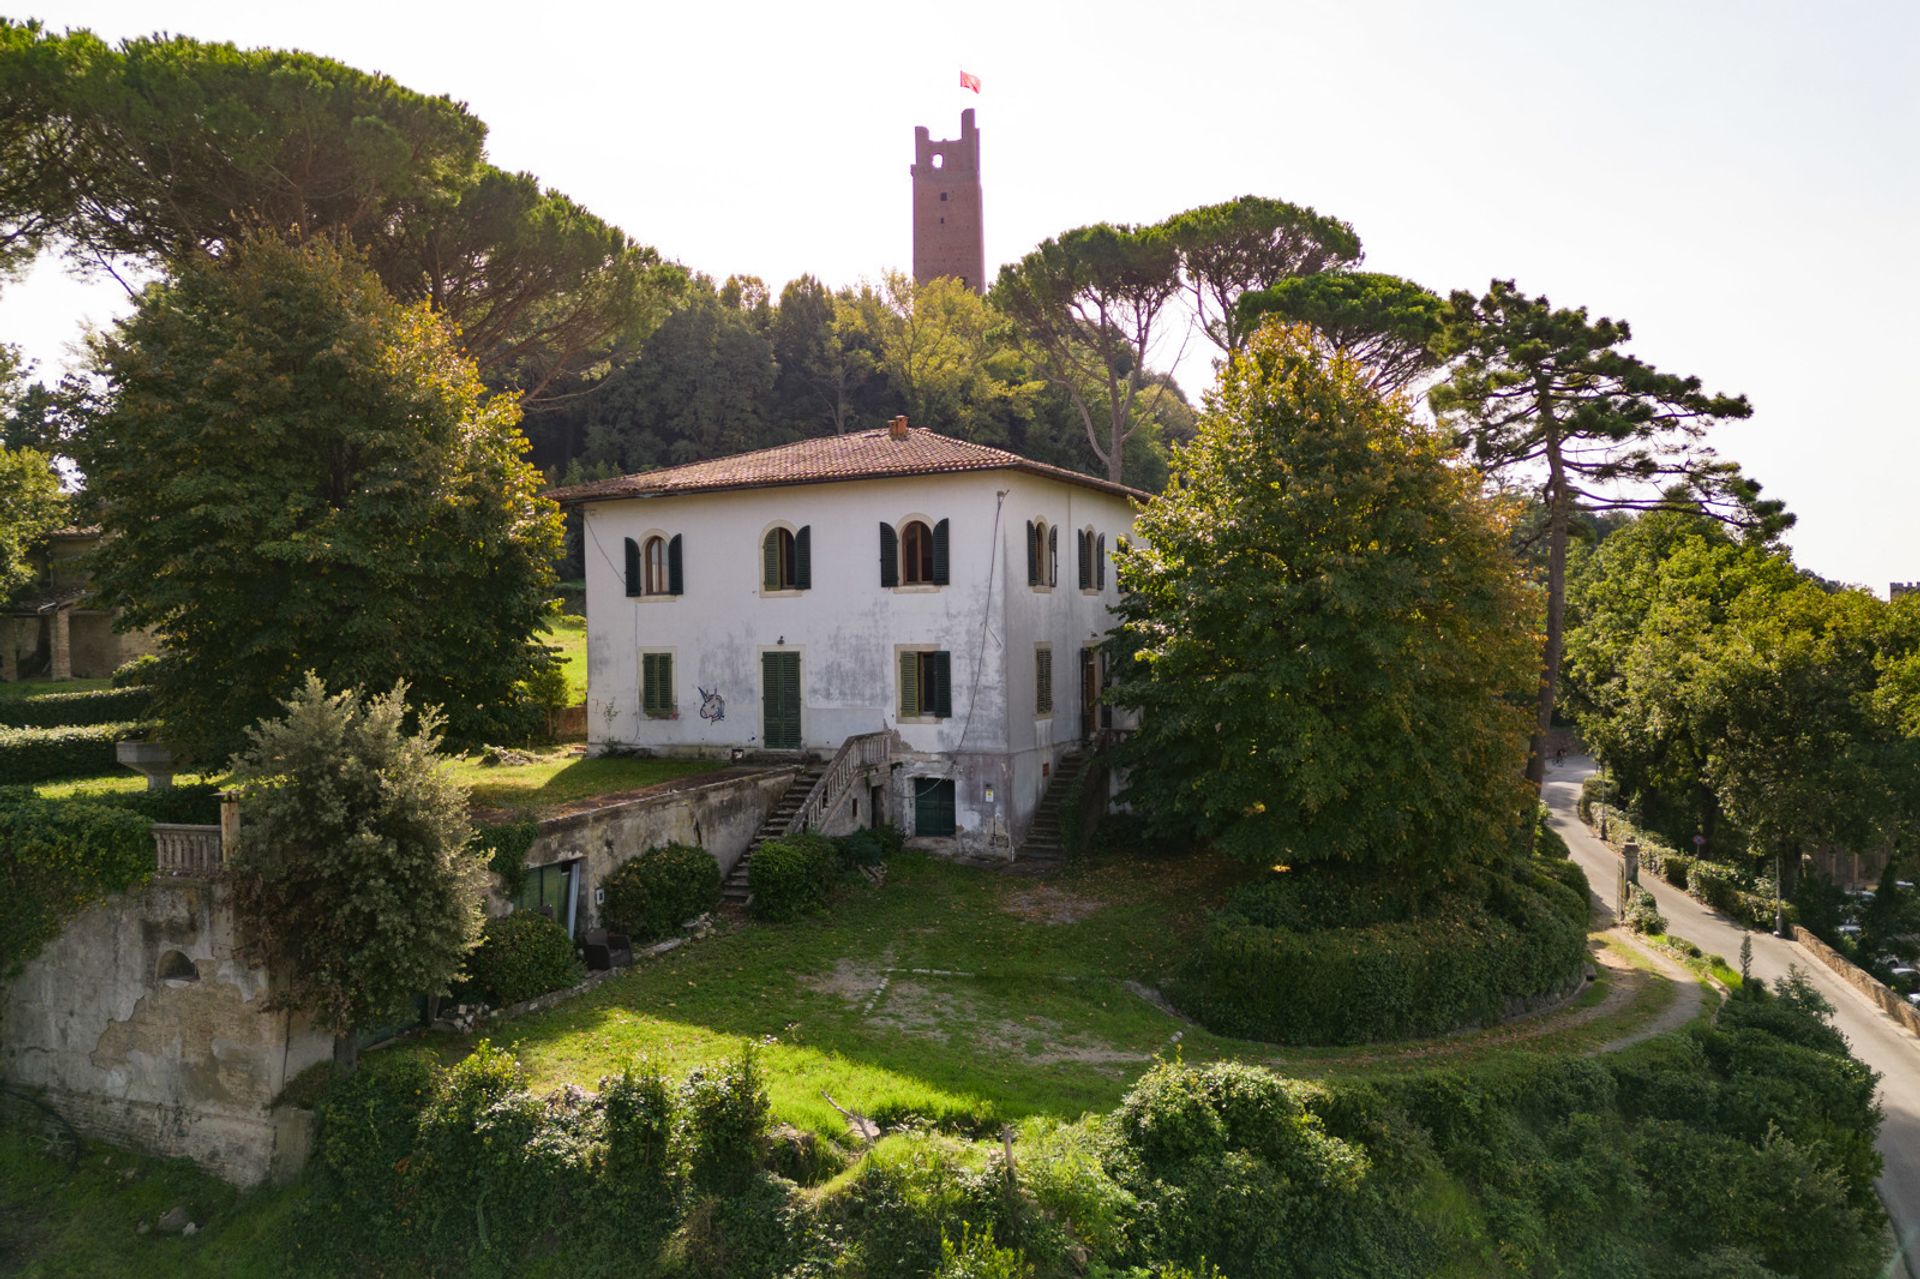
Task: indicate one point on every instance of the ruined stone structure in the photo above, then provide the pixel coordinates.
(947, 227)
(142, 1026)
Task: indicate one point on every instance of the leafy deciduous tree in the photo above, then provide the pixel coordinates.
(355, 876)
(1324, 625)
(298, 473)
(31, 506)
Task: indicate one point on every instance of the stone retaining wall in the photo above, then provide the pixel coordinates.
(1861, 980)
(141, 1025)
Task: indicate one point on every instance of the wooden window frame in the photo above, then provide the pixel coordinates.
(925, 684)
(653, 706)
(1043, 681)
(793, 559)
(916, 553)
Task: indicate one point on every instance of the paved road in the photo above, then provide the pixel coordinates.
(1875, 1038)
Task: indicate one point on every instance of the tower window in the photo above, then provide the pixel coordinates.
(943, 197)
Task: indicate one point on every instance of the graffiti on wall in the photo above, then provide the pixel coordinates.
(712, 706)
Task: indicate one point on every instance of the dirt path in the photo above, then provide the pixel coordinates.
(1690, 996)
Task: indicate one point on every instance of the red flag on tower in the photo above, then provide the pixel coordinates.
(970, 82)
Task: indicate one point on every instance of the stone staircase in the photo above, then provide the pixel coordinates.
(735, 890)
(1044, 849)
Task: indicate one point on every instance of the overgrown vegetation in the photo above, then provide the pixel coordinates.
(50, 754)
(792, 876)
(92, 706)
(57, 858)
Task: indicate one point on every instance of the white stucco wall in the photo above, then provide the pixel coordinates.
(847, 628)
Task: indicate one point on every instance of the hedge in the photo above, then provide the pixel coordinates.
(654, 894)
(520, 956)
(1463, 960)
(92, 706)
(57, 858)
(196, 804)
(50, 754)
(790, 877)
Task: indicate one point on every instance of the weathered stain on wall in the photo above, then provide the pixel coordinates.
(142, 1026)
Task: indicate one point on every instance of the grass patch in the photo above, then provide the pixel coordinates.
(34, 687)
(568, 633)
(123, 782)
(1707, 967)
(1034, 1012)
(559, 777)
(59, 1218)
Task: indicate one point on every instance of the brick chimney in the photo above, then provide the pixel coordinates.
(897, 428)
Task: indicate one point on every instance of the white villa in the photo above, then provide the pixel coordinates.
(793, 599)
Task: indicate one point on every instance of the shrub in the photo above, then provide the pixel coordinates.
(869, 846)
(1461, 961)
(723, 1124)
(368, 1125)
(1596, 788)
(791, 877)
(520, 956)
(909, 1192)
(1714, 884)
(976, 1256)
(639, 1108)
(197, 804)
(50, 754)
(1643, 913)
(57, 858)
(1677, 869)
(76, 710)
(136, 673)
(652, 895)
(497, 1164)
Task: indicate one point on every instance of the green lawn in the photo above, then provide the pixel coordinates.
(558, 777)
(1031, 1013)
(569, 635)
(35, 687)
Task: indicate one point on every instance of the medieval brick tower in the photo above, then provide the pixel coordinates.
(947, 238)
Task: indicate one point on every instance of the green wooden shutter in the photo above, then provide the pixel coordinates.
(940, 538)
(889, 555)
(909, 685)
(1033, 558)
(1100, 563)
(633, 567)
(1043, 681)
(770, 561)
(1081, 541)
(942, 682)
(676, 580)
(656, 678)
(1053, 556)
(803, 559)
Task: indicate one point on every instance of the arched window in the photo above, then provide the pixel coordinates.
(1043, 554)
(786, 559)
(656, 566)
(916, 554)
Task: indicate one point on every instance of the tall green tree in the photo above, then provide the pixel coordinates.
(1545, 396)
(1090, 305)
(298, 473)
(1385, 324)
(1228, 250)
(941, 350)
(356, 878)
(1322, 630)
(32, 505)
(164, 150)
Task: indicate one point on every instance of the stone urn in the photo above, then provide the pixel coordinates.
(151, 760)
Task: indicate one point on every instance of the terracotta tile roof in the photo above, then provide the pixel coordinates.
(858, 455)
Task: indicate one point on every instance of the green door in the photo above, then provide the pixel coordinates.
(780, 701)
(932, 807)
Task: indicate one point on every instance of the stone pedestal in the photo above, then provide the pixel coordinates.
(150, 759)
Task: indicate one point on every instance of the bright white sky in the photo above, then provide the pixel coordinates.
(1740, 179)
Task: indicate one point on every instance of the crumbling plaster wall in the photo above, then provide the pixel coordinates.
(142, 1026)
